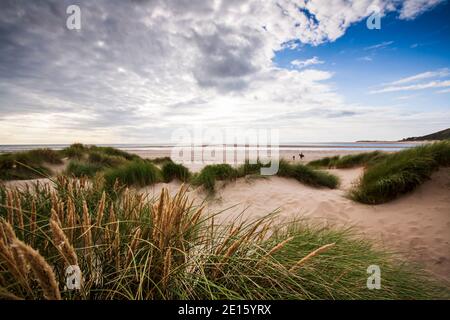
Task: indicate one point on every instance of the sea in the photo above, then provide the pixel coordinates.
(363, 146)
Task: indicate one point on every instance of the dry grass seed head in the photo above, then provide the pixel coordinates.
(134, 244)
(41, 270)
(310, 255)
(62, 242)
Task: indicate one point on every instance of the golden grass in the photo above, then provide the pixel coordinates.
(61, 241)
(20, 257)
(302, 261)
(41, 270)
(130, 247)
(275, 249)
(87, 233)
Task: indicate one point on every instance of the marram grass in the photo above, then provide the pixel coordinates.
(131, 247)
(208, 176)
(27, 164)
(137, 173)
(224, 172)
(171, 170)
(401, 172)
(79, 168)
(307, 175)
(349, 161)
(117, 166)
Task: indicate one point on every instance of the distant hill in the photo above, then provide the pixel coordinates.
(440, 135)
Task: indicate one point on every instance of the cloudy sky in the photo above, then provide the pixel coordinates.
(138, 70)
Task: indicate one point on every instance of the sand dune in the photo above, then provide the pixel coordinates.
(416, 226)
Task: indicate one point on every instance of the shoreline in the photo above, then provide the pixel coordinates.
(132, 147)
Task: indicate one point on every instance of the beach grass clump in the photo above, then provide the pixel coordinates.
(106, 159)
(213, 172)
(171, 170)
(79, 168)
(44, 155)
(248, 168)
(360, 159)
(75, 151)
(133, 247)
(349, 161)
(113, 152)
(137, 173)
(440, 151)
(88, 160)
(326, 162)
(400, 173)
(27, 164)
(307, 175)
(81, 151)
(160, 160)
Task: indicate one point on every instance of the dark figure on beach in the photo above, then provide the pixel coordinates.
(293, 158)
(301, 155)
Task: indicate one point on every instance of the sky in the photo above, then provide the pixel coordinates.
(138, 70)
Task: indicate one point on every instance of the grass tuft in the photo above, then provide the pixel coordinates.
(75, 151)
(211, 173)
(79, 168)
(349, 161)
(160, 160)
(327, 162)
(110, 151)
(400, 173)
(171, 170)
(106, 159)
(248, 168)
(27, 164)
(360, 159)
(138, 173)
(307, 175)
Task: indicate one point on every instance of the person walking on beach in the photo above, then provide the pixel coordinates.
(293, 158)
(301, 155)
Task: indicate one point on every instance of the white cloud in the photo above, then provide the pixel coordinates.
(413, 8)
(379, 45)
(306, 63)
(400, 85)
(424, 75)
(420, 86)
(138, 69)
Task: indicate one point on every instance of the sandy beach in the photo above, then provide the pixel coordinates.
(309, 155)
